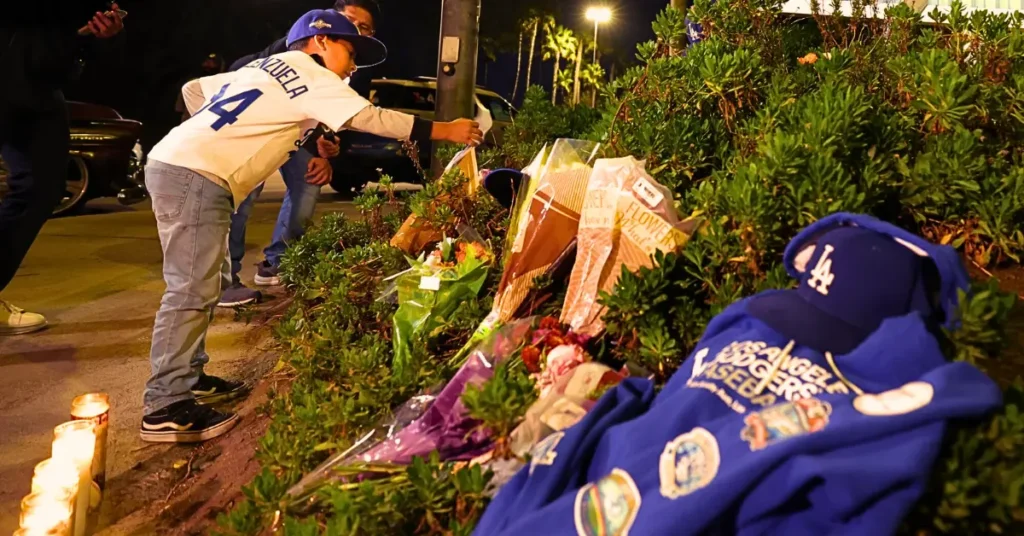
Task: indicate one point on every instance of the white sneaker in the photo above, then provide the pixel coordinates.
(16, 321)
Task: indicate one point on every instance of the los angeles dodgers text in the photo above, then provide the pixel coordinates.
(743, 366)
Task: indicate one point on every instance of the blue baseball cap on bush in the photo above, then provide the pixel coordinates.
(369, 51)
(503, 185)
(852, 280)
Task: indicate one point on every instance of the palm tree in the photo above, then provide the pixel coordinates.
(533, 26)
(592, 77)
(559, 43)
(519, 65)
(583, 45)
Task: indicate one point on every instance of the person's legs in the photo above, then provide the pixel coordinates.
(193, 219)
(236, 238)
(297, 209)
(235, 293)
(34, 145)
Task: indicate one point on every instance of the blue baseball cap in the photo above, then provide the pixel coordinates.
(503, 185)
(852, 280)
(369, 51)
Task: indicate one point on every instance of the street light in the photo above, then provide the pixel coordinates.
(600, 15)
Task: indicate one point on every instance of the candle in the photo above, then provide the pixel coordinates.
(45, 514)
(95, 407)
(56, 477)
(75, 441)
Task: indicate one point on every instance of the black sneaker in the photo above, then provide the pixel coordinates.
(238, 295)
(186, 422)
(266, 275)
(212, 390)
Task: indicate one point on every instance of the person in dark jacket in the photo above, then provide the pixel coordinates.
(300, 199)
(40, 52)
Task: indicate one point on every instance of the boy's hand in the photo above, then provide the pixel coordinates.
(462, 131)
(319, 171)
(327, 148)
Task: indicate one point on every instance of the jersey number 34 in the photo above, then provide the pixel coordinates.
(219, 105)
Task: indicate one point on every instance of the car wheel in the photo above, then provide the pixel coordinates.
(75, 189)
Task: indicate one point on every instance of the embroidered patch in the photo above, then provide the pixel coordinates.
(607, 507)
(688, 463)
(786, 420)
(911, 397)
(543, 453)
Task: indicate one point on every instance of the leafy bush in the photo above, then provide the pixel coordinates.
(764, 127)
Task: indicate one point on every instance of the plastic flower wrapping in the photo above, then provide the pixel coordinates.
(432, 289)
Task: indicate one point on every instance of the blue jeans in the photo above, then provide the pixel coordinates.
(296, 211)
(193, 215)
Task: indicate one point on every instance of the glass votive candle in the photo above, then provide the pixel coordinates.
(45, 514)
(95, 407)
(75, 441)
(55, 477)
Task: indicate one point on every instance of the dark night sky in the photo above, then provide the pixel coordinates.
(164, 42)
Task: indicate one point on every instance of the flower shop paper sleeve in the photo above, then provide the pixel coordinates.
(547, 224)
(626, 217)
(415, 234)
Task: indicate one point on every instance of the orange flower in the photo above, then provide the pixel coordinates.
(531, 358)
(810, 58)
(550, 322)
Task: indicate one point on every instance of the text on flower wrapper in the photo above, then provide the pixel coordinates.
(751, 369)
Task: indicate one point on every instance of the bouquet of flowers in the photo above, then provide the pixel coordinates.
(626, 218)
(415, 233)
(432, 289)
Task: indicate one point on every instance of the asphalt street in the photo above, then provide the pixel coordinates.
(97, 277)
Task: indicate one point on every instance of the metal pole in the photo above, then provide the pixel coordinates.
(596, 25)
(457, 64)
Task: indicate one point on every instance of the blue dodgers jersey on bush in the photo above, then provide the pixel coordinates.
(753, 435)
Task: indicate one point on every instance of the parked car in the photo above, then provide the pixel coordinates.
(106, 158)
(362, 155)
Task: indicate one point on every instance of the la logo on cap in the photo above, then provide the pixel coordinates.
(821, 275)
(319, 24)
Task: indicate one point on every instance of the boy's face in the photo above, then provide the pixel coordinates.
(338, 55)
(361, 19)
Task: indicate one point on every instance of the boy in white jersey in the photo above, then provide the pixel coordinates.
(244, 125)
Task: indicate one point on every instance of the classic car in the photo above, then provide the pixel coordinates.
(364, 156)
(106, 158)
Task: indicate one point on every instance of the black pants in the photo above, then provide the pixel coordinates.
(34, 144)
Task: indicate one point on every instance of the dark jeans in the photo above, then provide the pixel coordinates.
(34, 144)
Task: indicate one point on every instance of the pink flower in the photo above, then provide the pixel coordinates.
(560, 361)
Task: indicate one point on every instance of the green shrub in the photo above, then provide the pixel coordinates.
(764, 127)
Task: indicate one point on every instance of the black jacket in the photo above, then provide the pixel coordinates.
(40, 49)
(360, 81)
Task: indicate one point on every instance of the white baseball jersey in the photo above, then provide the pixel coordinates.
(250, 119)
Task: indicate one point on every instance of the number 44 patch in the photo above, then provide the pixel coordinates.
(218, 103)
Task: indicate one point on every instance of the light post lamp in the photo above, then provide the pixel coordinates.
(599, 15)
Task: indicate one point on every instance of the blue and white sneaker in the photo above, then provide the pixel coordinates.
(238, 295)
(266, 275)
(186, 422)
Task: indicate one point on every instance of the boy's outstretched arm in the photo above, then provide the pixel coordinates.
(402, 126)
